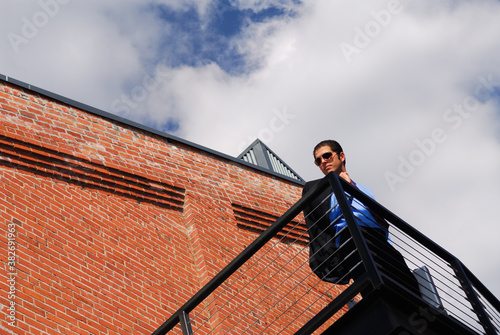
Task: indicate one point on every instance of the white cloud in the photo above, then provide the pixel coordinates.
(396, 90)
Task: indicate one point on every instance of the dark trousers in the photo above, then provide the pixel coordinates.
(387, 259)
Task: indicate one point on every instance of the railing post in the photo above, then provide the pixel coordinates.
(473, 299)
(185, 323)
(326, 313)
(359, 241)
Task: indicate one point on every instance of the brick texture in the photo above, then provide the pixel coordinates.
(116, 228)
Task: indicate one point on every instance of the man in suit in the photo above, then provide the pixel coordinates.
(332, 257)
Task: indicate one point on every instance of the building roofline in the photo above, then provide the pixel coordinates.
(113, 117)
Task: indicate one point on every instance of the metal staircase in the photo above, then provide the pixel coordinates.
(269, 288)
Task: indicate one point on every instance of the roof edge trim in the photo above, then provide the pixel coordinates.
(102, 113)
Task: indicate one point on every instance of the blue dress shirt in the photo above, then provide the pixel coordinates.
(363, 216)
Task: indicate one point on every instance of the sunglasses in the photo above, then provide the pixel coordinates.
(326, 156)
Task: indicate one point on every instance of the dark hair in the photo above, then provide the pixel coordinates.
(332, 144)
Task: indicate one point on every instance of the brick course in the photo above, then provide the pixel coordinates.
(117, 227)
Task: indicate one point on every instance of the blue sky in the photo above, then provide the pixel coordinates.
(188, 37)
(209, 40)
(410, 88)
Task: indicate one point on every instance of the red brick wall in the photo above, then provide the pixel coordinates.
(113, 228)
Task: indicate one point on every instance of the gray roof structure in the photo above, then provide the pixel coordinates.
(260, 155)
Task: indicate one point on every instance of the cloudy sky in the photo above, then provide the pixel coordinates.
(410, 88)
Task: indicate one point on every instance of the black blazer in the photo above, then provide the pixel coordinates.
(323, 258)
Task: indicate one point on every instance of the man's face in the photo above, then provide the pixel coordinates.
(332, 163)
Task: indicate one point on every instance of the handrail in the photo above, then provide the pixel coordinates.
(359, 241)
(235, 264)
(464, 274)
(468, 282)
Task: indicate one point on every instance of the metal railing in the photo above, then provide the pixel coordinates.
(244, 298)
